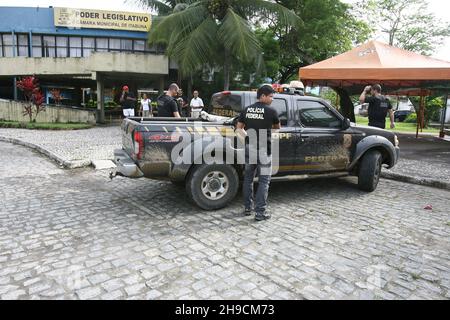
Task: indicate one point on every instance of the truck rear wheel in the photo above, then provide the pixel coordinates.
(212, 187)
(370, 171)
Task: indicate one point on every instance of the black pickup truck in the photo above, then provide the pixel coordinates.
(315, 141)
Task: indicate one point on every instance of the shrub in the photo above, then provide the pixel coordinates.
(412, 118)
(34, 98)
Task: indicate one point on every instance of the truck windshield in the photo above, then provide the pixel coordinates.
(226, 105)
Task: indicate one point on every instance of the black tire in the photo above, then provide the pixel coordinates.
(370, 171)
(212, 187)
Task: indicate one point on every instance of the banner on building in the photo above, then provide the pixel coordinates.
(100, 19)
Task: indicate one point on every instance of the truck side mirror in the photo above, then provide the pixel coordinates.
(346, 124)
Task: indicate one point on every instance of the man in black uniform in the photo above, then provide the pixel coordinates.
(379, 106)
(167, 105)
(257, 122)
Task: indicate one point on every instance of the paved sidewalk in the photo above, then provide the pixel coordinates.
(72, 149)
(425, 160)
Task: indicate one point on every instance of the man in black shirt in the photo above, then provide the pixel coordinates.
(379, 106)
(257, 122)
(167, 105)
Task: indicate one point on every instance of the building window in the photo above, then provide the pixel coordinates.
(101, 44)
(122, 45)
(126, 45)
(8, 45)
(36, 46)
(114, 44)
(139, 45)
(88, 46)
(61, 47)
(49, 46)
(75, 47)
(22, 45)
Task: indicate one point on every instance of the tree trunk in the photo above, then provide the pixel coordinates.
(226, 71)
(346, 104)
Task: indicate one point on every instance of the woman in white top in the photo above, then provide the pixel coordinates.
(146, 107)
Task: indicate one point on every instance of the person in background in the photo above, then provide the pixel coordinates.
(379, 106)
(146, 107)
(183, 105)
(128, 102)
(167, 105)
(196, 105)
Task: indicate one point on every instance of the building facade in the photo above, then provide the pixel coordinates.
(88, 55)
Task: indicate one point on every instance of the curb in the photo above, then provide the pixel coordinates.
(65, 163)
(414, 180)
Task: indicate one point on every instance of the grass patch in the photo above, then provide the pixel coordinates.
(399, 126)
(415, 276)
(44, 126)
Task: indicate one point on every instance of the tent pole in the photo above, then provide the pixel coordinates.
(417, 124)
(422, 114)
(418, 119)
(444, 115)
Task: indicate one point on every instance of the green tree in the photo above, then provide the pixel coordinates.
(202, 32)
(329, 28)
(408, 24)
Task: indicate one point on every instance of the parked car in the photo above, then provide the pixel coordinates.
(362, 110)
(401, 115)
(314, 141)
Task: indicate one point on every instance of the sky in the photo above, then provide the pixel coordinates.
(441, 8)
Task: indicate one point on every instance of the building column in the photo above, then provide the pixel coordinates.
(161, 85)
(15, 88)
(100, 99)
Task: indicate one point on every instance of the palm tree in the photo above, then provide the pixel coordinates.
(205, 32)
(162, 8)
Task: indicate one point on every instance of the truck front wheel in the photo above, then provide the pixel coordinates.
(212, 187)
(370, 171)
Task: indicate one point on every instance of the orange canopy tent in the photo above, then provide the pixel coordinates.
(375, 62)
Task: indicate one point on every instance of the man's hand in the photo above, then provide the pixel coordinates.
(362, 98)
(392, 125)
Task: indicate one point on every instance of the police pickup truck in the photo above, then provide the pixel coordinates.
(314, 141)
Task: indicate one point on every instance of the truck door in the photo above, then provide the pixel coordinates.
(323, 145)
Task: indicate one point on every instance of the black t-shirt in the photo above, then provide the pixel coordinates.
(259, 116)
(378, 109)
(166, 106)
(128, 101)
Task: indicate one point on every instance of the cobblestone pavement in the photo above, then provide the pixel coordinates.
(426, 158)
(73, 145)
(76, 235)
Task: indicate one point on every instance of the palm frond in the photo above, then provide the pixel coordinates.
(182, 22)
(196, 49)
(252, 8)
(236, 34)
(161, 7)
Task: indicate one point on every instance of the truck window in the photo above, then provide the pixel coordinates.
(313, 114)
(226, 105)
(280, 105)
